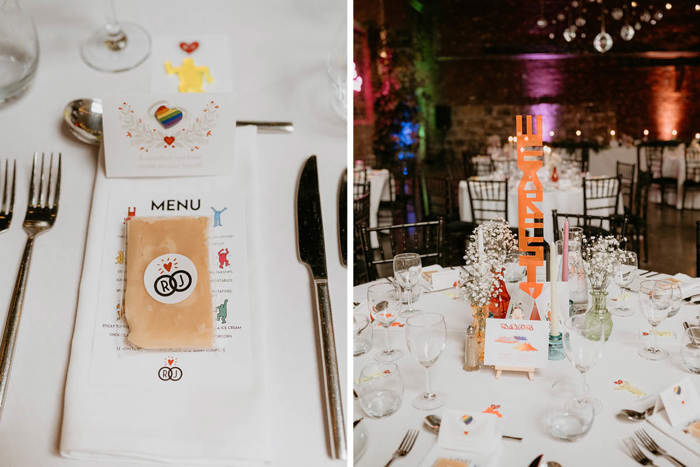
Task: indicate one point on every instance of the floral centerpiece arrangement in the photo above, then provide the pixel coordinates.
(482, 275)
(602, 256)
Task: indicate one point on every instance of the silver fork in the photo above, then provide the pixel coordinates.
(41, 214)
(7, 205)
(654, 448)
(405, 446)
(636, 453)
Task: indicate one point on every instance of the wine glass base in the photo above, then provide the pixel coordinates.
(407, 313)
(425, 401)
(99, 56)
(651, 353)
(622, 312)
(388, 356)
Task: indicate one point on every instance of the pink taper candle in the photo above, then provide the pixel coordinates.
(565, 253)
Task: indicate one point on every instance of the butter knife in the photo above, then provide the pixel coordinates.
(312, 252)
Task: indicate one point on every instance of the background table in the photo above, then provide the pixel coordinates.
(524, 403)
(279, 62)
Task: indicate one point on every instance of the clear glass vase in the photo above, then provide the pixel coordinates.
(19, 49)
(598, 312)
(479, 315)
(578, 284)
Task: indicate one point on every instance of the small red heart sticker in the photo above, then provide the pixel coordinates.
(167, 266)
(170, 361)
(169, 140)
(189, 48)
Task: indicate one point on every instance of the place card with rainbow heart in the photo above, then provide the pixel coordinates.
(681, 401)
(165, 135)
(516, 343)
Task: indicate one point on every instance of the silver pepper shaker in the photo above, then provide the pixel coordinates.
(471, 350)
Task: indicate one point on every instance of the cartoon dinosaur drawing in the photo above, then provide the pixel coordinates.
(191, 77)
(221, 312)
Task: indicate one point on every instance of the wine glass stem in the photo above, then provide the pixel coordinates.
(387, 347)
(428, 391)
(410, 298)
(653, 337)
(111, 23)
(584, 381)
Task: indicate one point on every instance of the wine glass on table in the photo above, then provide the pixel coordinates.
(116, 46)
(583, 345)
(384, 305)
(407, 272)
(625, 276)
(655, 299)
(426, 334)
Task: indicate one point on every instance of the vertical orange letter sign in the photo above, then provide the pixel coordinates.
(530, 192)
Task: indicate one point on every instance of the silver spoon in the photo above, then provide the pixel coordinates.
(635, 415)
(432, 423)
(84, 119)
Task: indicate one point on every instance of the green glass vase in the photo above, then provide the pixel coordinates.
(598, 313)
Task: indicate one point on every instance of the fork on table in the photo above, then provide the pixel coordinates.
(654, 448)
(8, 200)
(636, 453)
(42, 207)
(405, 447)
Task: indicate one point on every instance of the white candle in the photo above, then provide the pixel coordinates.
(554, 309)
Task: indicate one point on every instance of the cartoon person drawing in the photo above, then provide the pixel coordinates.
(223, 258)
(191, 77)
(217, 216)
(221, 312)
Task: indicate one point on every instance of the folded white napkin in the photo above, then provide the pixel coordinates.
(660, 421)
(122, 403)
(689, 285)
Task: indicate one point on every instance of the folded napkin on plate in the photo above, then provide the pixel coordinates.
(660, 421)
(205, 407)
(468, 431)
(689, 285)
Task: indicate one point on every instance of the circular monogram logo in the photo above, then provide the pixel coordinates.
(170, 278)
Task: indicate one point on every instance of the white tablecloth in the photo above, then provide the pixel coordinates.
(603, 163)
(565, 201)
(524, 403)
(279, 74)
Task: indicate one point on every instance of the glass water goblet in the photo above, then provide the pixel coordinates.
(676, 297)
(384, 305)
(655, 299)
(379, 389)
(362, 334)
(625, 275)
(407, 272)
(514, 272)
(116, 46)
(583, 341)
(426, 334)
(690, 349)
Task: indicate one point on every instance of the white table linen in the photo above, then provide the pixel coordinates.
(524, 403)
(280, 75)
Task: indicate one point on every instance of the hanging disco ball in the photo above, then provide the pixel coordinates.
(637, 26)
(659, 15)
(541, 23)
(603, 42)
(645, 16)
(627, 32)
(616, 13)
(580, 21)
(569, 34)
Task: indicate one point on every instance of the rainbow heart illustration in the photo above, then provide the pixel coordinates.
(677, 390)
(168, 117)
(467, 419)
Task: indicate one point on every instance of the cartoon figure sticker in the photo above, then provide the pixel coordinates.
(170, 278)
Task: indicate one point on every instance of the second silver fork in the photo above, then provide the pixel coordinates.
(8, 196)
(42, 208)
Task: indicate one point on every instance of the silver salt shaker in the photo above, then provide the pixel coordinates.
(471, 350)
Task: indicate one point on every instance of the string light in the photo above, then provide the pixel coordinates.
(669, 6)
(551, 133)
(578, 132)
(634, 4)
(674, 132)
(646, 132)
(612, 132)
(697, 135)
(697, 7)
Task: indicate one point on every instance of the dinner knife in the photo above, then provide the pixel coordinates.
(312, 252)
(342, 218)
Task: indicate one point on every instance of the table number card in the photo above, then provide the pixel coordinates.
(516, 343)
(681, 402)
(445, 279)
(165, 135)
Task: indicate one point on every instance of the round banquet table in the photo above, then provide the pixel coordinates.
(524, 403)
(279, 55)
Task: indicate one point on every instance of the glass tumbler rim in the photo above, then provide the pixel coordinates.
(411, 321)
